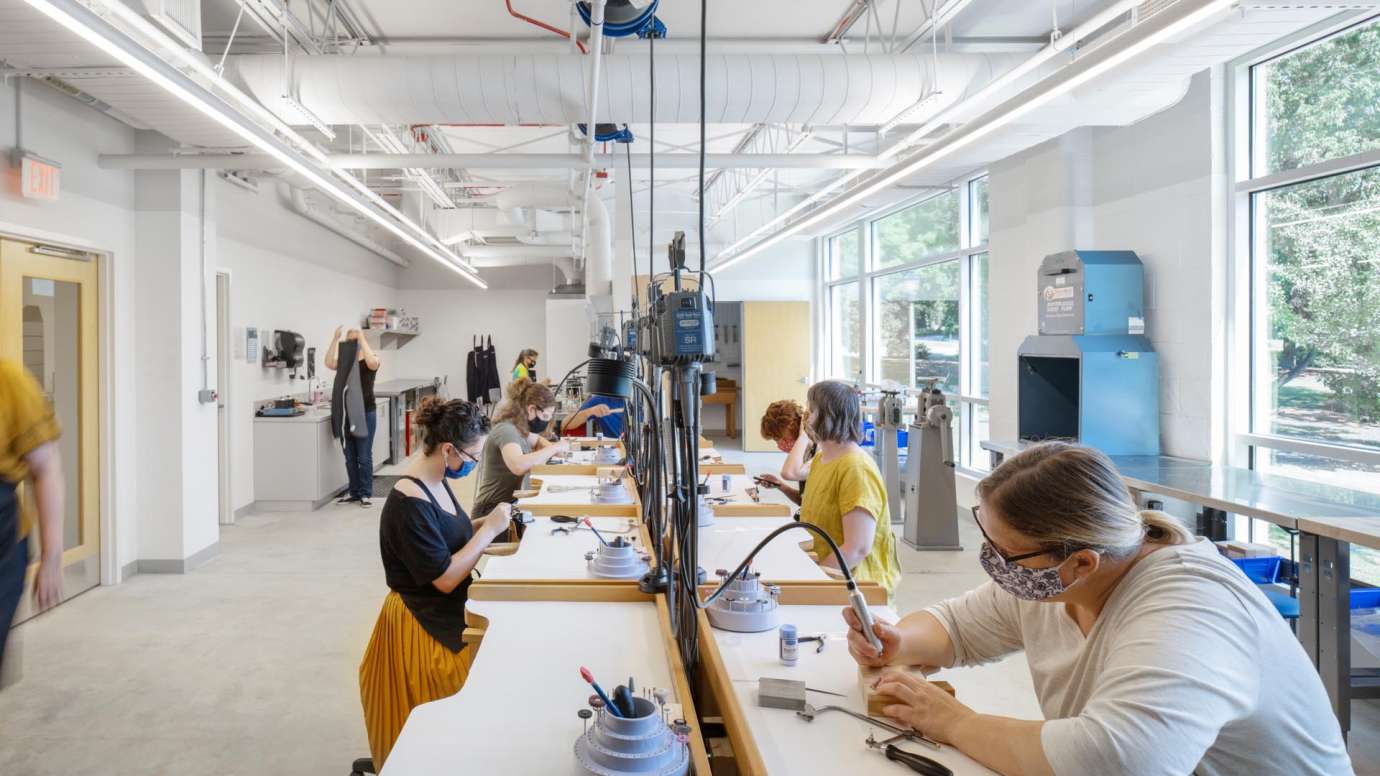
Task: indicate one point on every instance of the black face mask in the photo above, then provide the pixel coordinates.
(537, 425)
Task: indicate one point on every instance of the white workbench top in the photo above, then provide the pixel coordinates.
(724, 544)
(543, 555)
(516, 713)
(738, 485)
(833, 742)
(573, 489)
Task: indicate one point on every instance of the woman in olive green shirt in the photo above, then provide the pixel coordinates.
(515, 444)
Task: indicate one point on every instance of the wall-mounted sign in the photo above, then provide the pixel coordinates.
(39, 178)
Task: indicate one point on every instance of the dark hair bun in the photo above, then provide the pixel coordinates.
(457, 422)
(430, 411)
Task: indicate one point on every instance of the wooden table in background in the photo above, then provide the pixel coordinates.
(729, 398)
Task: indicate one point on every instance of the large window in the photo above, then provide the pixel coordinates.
(1309, 189)
(846, 344)
(917, 326)
(924, 229)
(907, 304)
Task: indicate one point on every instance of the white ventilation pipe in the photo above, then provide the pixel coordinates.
(304, 208)
(543, 252)
(599, 242)
(822, 89)
(563, 263)
(596, 58)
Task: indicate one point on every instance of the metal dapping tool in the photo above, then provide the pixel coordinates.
(916, 762)
(810, 712)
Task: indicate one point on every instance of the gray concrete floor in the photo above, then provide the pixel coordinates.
(248, 665)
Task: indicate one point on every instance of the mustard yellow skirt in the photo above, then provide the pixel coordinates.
(402, 668)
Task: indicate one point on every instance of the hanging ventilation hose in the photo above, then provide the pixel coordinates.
(622, 18)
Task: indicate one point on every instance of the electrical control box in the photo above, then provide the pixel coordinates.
(685, 327)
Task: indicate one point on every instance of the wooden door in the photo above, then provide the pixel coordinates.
(48, 322)
(776, 362)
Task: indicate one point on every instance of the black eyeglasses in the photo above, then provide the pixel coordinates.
(1005, 558)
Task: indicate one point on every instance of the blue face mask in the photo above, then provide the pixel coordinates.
(466, 466)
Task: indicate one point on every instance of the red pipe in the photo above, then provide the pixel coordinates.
(542, 25)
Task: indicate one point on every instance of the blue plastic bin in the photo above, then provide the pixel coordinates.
(1262, 571)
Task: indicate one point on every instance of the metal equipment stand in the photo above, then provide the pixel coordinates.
(931, 498)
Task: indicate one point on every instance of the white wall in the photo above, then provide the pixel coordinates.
(286, 273)
(96, 209)
(450, 320)
(567, 337)
(786, 271)
(1149, 188)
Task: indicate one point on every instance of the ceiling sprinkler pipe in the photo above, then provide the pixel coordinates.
(542, 24)
(622, 18)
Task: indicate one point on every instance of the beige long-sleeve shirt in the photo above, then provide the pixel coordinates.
(1188, 669)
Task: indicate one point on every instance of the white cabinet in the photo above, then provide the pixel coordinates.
(298, 465)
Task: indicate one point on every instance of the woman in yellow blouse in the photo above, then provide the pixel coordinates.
(846, 496)
(28, 453)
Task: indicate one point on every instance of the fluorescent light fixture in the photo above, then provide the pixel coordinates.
(916, 107)
(131, 17)
(311, 118)
(982, 126)
(81, 21)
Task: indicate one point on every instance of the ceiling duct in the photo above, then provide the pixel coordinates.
(822, 89)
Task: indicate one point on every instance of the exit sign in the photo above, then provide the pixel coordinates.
(39, 178)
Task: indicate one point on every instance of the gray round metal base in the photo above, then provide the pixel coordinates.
(743, 620)
(614, 746)
(617, 561)
(747, 606)
(611, 493)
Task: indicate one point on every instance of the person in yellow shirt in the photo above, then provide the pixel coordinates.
(846, 496)
(28, 453)
(525, 366)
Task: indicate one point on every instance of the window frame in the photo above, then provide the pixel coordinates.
(1246, 281)
(972, 460)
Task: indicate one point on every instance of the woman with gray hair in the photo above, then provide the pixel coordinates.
(1149, 650)
(846, 496)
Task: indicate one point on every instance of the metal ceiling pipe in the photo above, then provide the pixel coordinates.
(495, 161)
(515, 254)
(303, 206)
(550, 88)
(563, 264)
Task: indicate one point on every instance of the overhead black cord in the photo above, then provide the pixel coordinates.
(632, 223)
(651, 158)
(704, 21)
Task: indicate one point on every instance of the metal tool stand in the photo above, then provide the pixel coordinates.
(642, 744)
(747, 606)
(931, 495)
(889, 409)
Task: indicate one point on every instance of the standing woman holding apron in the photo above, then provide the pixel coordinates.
(28, 453)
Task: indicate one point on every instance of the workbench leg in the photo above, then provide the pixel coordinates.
(1334, 625)
(1212, 523)
(1308, 595)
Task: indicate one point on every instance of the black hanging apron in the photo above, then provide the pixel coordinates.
(347, 395)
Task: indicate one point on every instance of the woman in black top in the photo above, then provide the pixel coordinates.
(429, 547)
(359, 451)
